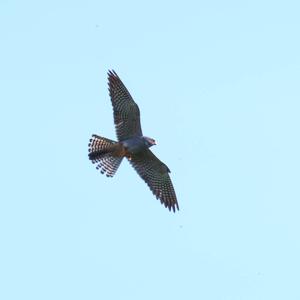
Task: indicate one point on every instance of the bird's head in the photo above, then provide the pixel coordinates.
(149, 141)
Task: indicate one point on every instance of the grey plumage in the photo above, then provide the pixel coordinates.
(108, 154)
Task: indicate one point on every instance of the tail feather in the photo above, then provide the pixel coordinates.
(102, 151)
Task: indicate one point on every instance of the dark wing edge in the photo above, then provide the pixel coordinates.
(156, 174)
(126, 111)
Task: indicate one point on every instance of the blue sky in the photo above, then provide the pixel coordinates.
(217, 84)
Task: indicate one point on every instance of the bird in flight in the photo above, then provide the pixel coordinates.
(108, 154)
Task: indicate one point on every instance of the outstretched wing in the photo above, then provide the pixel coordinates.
(156, 174)
(126, 111)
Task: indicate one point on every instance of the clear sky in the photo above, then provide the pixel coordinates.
(218, 86)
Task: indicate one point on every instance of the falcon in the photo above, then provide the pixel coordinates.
(132, 144)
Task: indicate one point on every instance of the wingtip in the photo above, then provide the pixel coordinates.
(175, 208)
(112, 73)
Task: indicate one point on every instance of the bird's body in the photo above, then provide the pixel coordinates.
(135, 145)
(108, 154)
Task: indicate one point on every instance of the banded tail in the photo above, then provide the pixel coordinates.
(107, 154)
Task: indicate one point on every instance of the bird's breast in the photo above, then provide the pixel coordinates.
(134, 145)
